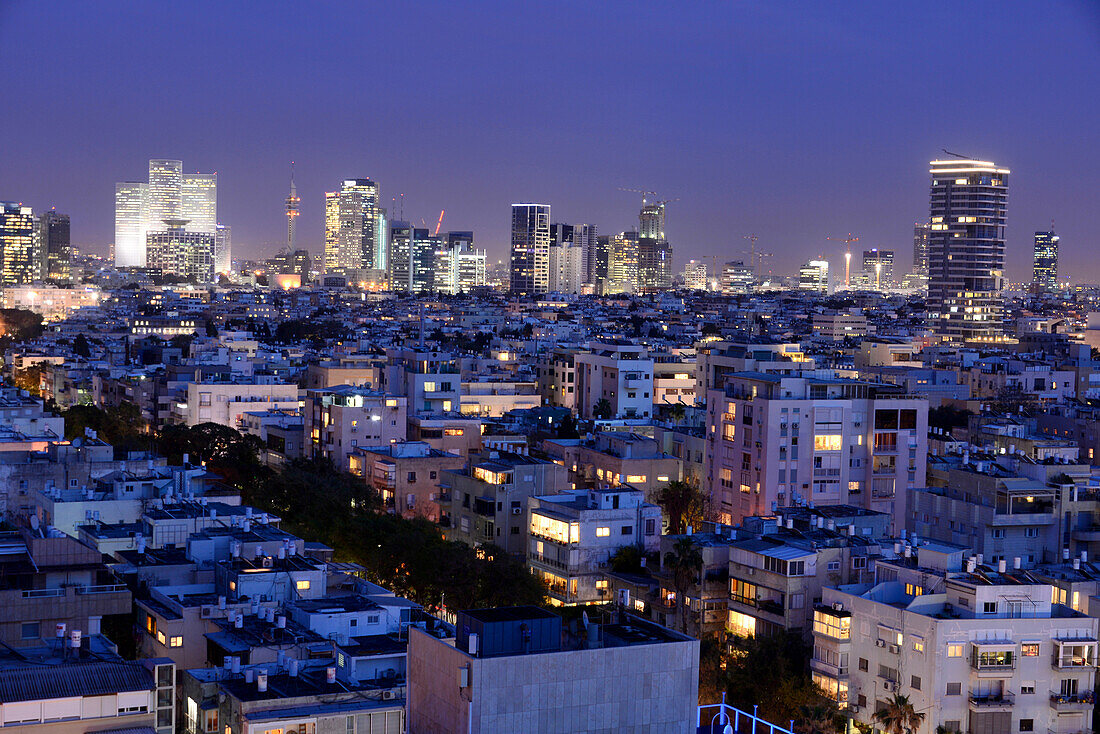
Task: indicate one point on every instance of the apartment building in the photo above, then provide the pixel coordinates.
(619, 373)
(556, 372)
(406, 474)
(429, 379)
(573, 535)
(716, 359)
(783, 440)
(616, 457)
(981, 649)
(226, 402)
(834, 326)
(338, 419)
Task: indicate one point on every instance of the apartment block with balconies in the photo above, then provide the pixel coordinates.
(339, 419)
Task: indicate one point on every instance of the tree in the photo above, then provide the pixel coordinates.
(602, 409)
(677, 412)
(684, 561)
(627, 559)
(81, 348)
(899, 716)
(567, 428)
(211, 328)
(224, 450)
(684, 504)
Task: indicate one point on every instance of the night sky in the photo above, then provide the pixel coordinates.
(791, 120)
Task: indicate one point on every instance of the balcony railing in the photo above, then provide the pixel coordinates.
(1071, 701)
(991, 700)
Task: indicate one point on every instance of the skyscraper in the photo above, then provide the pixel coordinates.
(458, 266)
(814, 276)
(966, 248)
(199, 201)
(1045, 272)
(223, 249)
(53, 241)
(654, 251)
(292, 205)
(351, 215)
(20, 252)
(736, 278)
(622, 268)
(170, 194)
(695, 275)
(878, 268)
(131, 204)
(920, 248)
(422, 260)
(567, 263)
(530, 248)
(651, 221)
(176, 250)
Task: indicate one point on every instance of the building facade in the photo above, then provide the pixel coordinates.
(530, 248)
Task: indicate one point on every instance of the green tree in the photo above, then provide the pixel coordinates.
(899, 716)
(627, 559)
(677, 412)
(684, 504)
(81, 348)
(684, 561)
(567, 428)
(211, 328)
(602, 409)
(223, 450)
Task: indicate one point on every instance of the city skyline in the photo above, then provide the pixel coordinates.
(838, 149)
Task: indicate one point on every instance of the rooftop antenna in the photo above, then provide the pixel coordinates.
(958, 155)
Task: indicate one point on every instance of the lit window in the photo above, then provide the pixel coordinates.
(954, 651)
(1030, 649)
(635, 478)
(601, 584)
(176, 642)
(302, 585)
(829, 442)
(160, 637)
(603, 532)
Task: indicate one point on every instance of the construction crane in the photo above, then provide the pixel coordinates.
(754, 256)
(640, 191)
(847, 256)
(440, 222)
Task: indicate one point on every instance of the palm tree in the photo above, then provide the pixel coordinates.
(684, 504)
(684, 561)
(602, 409)
(677, 412)
(899, 716)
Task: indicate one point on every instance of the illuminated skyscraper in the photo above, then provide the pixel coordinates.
(695, 275)
(736, 278)
(170, 194)
(20, 251)
(53, 241)
(400, 253)
(1045, 271)
(652, 221)
(530, 248)
(878, 268)
(351, 215)
(458, 266)
(223, 249)
(176, 250)
(292, 205)
(422, 260)
(566, 268)
(654, 251)
(920, 248)
(622, 268)
(966, 248)
(199, 201)
(814, 276)
(131, 203)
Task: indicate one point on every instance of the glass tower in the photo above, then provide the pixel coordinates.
(1045, 271)
(131, 202)
(53, 237)
(199, 201)
(966, 249)
(530, 248)
(351, 215)
(19, 245)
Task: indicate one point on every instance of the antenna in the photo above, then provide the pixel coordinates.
(958, 155)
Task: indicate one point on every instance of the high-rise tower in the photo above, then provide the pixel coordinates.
(966, 248)
(351, 215)
(292, 204)
(530, 248)
(20, 253)
(1045, 271)
(920, 248)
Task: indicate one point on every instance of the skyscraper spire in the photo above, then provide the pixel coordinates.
(292, 203)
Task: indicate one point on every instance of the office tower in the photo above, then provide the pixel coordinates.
(622, 267)
(654, 251)
(651, 221)
(223, 249)
(458, 266)
(199, 201)
(736, 278)
(695, 275)
(567, 263)
(561, 234)
(599, 260)
(966, 249)
(290, 269)
(530, 248)
(176, 250)
(381, 240)
(131, 204)
(400, 251)
(878, 268)
(170, 194)
(422, 260)
(585, 237)
(814, 276)
(53, 239)
(1045, 272)
(351, 215)
(293, 204)
(20, 247)
(920, 248)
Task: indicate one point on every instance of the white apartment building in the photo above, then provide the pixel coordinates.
(572, 536)
(567, 263)
(780, 440)
(227, 402)
(834, 326)
(982, 650)
(618, 372)
(338, 419)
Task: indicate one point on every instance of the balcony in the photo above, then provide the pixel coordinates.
(829, 669)
(1087, 535)
(1062, 702)
(991, 701)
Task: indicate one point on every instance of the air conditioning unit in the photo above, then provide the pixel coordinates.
(752, 571)
(880, 643)
(517, 510)
(854, 709)
(389, 695)
(890, 686)
(895, 649)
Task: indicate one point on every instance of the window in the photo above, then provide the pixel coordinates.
(1027, 687)
(797, 601)
(601, 583)
(1030, 649)
(955, 650)
(30, 631)
(914, 682)
(954, 689)
(410, 477)
(989, 607)
(863, 664)
(829, 442)
(210, 721)
(998, 533)
(1027, 724)
(834, 565)
(1031, 532)
(650, 526)
(918, 645)
(161, 638)
(349, 726)
(603, 532)
(635, 478)
(302, 585)
(627, 530)
(177, 641)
